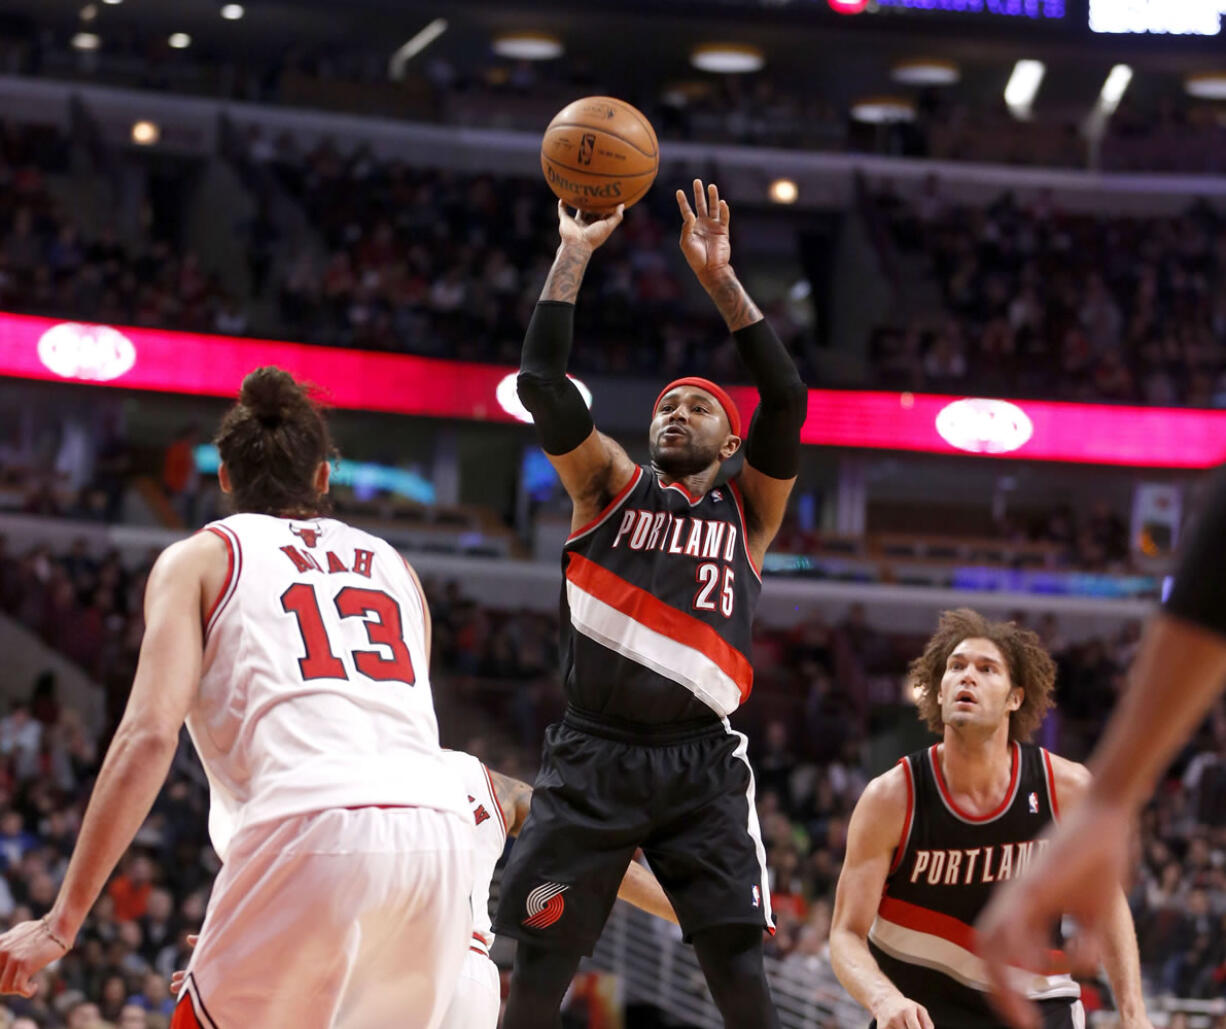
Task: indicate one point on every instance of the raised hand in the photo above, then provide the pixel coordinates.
(704, 231)
(585, 229)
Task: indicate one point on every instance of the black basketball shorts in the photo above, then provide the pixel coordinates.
(688, 802)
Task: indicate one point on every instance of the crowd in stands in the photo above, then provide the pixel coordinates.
(769, 108)
(416, 261)
(49, 266)
(826, 694)
(451, 265)
(1034, 300)
(1041, 302)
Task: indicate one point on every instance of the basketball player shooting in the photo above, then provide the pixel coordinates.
(661, 577)
(1179, 670)
(930, 838)
(297, 650)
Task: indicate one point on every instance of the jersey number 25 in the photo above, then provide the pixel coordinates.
(381, 615)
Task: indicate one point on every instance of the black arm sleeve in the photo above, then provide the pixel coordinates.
(1201, 570)
(772, 444)
(561, 417)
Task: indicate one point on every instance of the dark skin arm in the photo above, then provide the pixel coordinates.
(1178, 672)
(594, 472)
(639, 887)
(707, 246)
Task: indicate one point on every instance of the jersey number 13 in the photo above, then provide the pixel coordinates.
(380, 613)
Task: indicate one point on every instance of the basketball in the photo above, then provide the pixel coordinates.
(599, 152)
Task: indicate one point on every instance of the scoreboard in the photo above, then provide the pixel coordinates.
(1160, 18)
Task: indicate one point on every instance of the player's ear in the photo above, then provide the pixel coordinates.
(323, 477)
(731, 445)
(223, 478)
(1016, 698)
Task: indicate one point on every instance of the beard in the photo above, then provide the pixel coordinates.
(680, 462)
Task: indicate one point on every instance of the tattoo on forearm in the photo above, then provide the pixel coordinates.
(566, 275)
(734, 304)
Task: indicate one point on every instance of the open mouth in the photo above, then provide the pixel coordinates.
(965, 697)
(672, 432)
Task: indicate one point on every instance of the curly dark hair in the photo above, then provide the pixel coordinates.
(1030, 667)
(272, 442)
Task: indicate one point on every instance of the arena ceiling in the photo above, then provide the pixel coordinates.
(837, 58)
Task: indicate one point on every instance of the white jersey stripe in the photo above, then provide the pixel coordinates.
(941, 955)
(752, 826)
(686, 666)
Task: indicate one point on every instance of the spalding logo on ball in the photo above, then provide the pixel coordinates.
(599, 152)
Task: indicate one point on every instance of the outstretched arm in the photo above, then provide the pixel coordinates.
(639, 887)
(136, 763)
(1120, 956)
(592, 467)
(1179, 669)
(772, 445)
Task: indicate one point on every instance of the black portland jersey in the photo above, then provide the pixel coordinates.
(942, 876)
(657, 611)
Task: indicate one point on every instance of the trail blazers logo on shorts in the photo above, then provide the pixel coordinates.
(545, 905)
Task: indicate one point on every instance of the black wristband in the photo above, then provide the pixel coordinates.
(772, 445)
(561, 417)
(1201, 569)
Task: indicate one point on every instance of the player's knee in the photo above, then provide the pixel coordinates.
(539, 980)
(543, 970)
(732, 956)
(732, 960)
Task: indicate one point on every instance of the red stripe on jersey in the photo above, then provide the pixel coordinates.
(609, 508)
(680, 488)
(934, 923)
(185, 1016)
(660, 617)
(1051, 784)
(740, 509)
(225, 586)
(502, 815)
(906, 826)
(1010, 793)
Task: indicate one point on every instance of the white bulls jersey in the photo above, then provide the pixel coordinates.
(315, 691)
(489, 842)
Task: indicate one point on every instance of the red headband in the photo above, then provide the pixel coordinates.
(721, 398)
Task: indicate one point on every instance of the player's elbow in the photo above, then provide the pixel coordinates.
(793, 402)
(539, 392)
(146, 738)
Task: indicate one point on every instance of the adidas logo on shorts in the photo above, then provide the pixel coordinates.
(545, 905)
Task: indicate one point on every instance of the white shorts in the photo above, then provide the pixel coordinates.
(341, 919)
(478, 995)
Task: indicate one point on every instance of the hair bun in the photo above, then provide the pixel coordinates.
(271, 395)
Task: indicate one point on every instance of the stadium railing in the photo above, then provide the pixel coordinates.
(657, 969)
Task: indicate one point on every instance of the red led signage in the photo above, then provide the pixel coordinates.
(179, 362)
